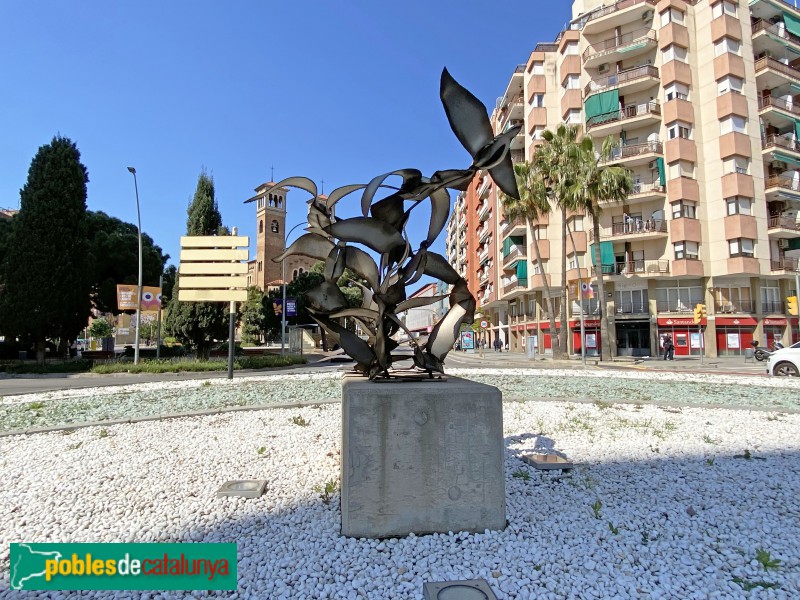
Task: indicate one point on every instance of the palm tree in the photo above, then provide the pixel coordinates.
(557, 161)
(533, 203)
(595, 183)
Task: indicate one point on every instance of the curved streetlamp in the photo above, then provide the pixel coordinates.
(139, 287)
(283, 285)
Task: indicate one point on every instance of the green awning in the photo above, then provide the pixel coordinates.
(633, 47)
(606, 254)
(522, 269)
(662, 176)
(786, 158)
(601, 104)
(792, 23)
(511, 241)
(797, 128)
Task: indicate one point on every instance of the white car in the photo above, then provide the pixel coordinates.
(785, 361)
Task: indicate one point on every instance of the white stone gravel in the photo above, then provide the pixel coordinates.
(152, 399)
(648, 465)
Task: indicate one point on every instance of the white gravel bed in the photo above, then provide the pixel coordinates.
(152, 399)
(682, 511)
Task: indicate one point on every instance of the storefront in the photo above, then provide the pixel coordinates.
(547, 340)
(734, 335)
(774, 328)
(686, 336)
(633, 337)
(591, 333)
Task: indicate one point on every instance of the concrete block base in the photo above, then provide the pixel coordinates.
(421, 457)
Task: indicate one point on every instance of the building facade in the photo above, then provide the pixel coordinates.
(699, 98)
(262, 271)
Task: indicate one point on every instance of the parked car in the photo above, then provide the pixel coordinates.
(785, 362)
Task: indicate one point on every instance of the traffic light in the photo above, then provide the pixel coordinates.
(699, 313)
(791, 302)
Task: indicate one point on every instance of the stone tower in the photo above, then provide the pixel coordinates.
(270, 236)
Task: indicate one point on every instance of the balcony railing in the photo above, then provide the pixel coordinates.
(783, 223)
(785, 264)
(773, 141)
(623, 4)
(546, 47)
(629, 112)
(744, 306)
(643, 35)
(518, 222)
(772, 102)
(516, 253)
(517, 283)
(621, 78)
(518, 156)
(673, 306)
(766, 62)
(789, 183)
(633, 150)
(646, 188)
(628, 308)
(633, 227)
(775, 307)
(777, 29)
(648, 267)
(513, 123)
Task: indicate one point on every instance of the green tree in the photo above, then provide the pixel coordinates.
(557, 162)
(170, 277)
(253, 316)
(114, 248)
(533, 203)
(199, 324)
(101, 328)
(596, 182)
(47, 273)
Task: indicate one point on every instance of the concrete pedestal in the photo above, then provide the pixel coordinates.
(421, 458)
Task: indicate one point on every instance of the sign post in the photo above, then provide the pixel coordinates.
(212, 270)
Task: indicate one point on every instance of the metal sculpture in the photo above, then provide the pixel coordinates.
(382, 229)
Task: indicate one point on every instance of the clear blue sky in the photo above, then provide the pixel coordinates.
(340, 91)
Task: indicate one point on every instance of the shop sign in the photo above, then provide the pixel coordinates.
(774, 321)
(736, 322)
(679, 322)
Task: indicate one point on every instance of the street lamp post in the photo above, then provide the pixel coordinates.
(283, 286)
(139, 287)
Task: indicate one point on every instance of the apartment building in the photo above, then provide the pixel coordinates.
(701, 99)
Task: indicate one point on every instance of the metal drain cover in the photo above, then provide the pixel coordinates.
(245, 488)
(471, 589)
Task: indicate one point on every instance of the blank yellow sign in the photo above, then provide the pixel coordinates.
(212, 269)
(212, 295)
(214, 241)
(213, 255)
(189, 282)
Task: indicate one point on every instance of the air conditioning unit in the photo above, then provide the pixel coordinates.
(652, 165)
(603, 68)
(783, 244)
(647, 15)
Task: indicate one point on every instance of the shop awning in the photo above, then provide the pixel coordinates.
(786, 158)
(601, 104)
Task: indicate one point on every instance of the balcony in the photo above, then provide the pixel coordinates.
(639, 229)
(513, 111)
(517, 226)
(632, 80)
(771, 143)
(516, 253)
(772, 308)
(636, 154)
(515, 285)
(782, 187)
(483, 233)
(483, 211)
(518, 156)
(772, 73)
(462, 222)
(783, 226)
(483, 276)
(483, 255)
(613, 122)
(770, 103)
(637, 308)
(630, 44)
(673, 306)
(726, 308)
(615, 15)
(639, 267)
(784, 265)
(775, 31)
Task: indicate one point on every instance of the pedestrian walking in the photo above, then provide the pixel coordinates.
(669, 348)
(497, 345)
